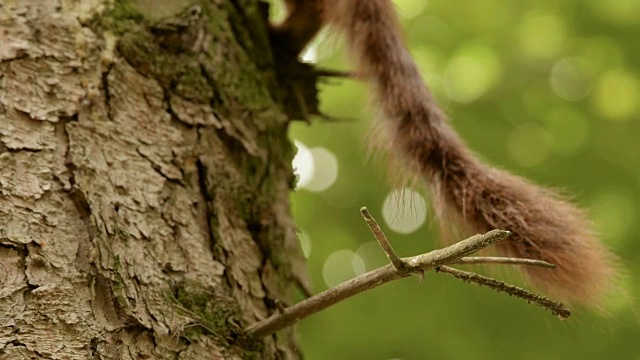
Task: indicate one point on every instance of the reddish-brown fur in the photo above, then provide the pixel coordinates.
(544, 225)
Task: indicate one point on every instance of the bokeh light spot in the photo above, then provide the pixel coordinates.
(339, 267)
(325, 170)
(472, 72)
(617, 95)
(528, 144)
(569, 79)
(542, 35)
(372, 255)
(303, 166)
(404, 210)
(358, 265)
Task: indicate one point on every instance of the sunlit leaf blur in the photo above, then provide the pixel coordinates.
(547, 89)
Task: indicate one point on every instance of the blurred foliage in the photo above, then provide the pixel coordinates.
(547, 89)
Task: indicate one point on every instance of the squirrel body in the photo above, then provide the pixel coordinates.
(418, 135)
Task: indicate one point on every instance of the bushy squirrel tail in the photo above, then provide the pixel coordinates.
(544, 226)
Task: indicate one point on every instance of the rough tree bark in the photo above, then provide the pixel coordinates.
(144, 179)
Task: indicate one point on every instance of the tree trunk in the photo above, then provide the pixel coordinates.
(144, 180)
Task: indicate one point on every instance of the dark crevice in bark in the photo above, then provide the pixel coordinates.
(26, 294)
(83, 207)
(5, 245)
(15, 151)
(215, 101)
(158, 169)
(69, 118)
(93, 347)
(166, 98)
(15, 343)
(81, 202)
(235, 150)
(255, 228)
(178, 354)
(61, 133)
(107, 92)
(202, 180)
(207, 198)
(24, 252)
(266, 173)
(22, 55)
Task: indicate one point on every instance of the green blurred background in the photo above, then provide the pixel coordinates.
(548, 89)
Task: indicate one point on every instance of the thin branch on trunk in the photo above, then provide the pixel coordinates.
(404, 267)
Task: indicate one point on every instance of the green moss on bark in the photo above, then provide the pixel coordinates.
(214, 314)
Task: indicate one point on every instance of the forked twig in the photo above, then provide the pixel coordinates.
(404, 267)
(382, 240)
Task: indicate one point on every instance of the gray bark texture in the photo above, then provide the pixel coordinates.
(144, 181)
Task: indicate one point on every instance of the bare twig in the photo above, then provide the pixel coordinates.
(502, 260)
(403, 267)
(382, 240)
(414, 265)
(556, 308)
